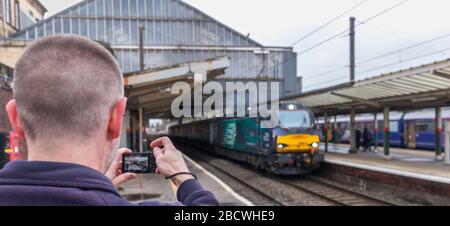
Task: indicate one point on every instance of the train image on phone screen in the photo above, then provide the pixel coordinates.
(136, 163)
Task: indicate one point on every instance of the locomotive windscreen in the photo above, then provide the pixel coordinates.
(296, 119)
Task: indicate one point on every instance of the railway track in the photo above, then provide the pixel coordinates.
(333, 193)
(270, 200)
(263, 189)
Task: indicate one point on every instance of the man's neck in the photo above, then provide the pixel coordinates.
(68, 152)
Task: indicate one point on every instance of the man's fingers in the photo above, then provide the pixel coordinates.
(157, 143)
(116, 163)
(123, 178)
(163, 141)
(158, 152)
(120, 152)
(112, 170)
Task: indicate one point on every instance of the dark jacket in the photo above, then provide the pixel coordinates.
(25, 183)
(366, 135)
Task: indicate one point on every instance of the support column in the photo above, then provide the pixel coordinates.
(141, 48)
(335, 130)
(133, 131)
(327, 127)
(141, 130)
(353, 131)
(438, 124)
(352, 49)
(447, 142)
(124, 134)
(375, 132)
(146, 141)
(386, 133)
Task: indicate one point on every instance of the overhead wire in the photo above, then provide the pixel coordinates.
(403, 49)
(403, 61)
(331, 38)
(346, 30)
(316, 30)
(329, 22)
(340, 33)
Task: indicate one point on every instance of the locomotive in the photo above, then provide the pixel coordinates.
(292, 148)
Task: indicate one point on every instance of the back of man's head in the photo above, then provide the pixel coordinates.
(66, 85)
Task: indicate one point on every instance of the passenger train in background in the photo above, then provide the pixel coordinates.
(413, 130)
(292, 148)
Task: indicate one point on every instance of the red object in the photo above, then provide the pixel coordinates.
(386, 129)
(439, 131)
(14, 144)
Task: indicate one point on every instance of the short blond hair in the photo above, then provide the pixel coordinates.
(66, 85)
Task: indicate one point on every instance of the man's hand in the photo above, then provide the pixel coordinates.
(169, 160)
(114, 172)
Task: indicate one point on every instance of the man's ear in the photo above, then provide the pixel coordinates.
(116, 118)
(14, 119)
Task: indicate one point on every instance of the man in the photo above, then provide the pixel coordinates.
(358, 138)
(367, 139)
(69, 105)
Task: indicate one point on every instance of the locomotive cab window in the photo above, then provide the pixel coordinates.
(295, 119)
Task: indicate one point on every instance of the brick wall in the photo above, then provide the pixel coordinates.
(5, 96)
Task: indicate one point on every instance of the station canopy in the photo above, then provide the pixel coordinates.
(421, 87)
(150, 90)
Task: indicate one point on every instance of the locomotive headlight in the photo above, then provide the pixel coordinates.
(315, 145)
(281, 146)
(291, 107)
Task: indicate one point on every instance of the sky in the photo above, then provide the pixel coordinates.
(282, 22)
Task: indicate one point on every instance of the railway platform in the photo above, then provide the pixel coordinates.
(402, 162)
(155, 187)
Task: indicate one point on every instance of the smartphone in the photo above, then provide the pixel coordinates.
(139, 163)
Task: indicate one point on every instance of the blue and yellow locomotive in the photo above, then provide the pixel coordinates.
(292, 148)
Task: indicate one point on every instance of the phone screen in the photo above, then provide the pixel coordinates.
(140, 163)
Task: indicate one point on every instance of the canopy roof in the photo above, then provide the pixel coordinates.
(150, 90)
(414, 88)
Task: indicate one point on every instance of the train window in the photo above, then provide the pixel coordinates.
(393, 127)
(380, 125)
(425, 126)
